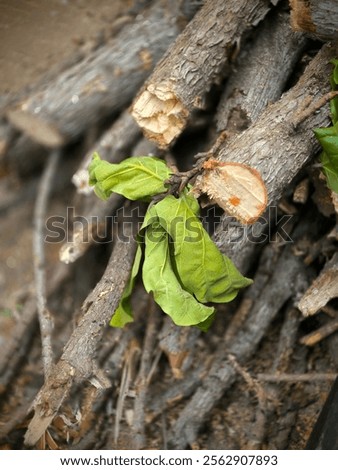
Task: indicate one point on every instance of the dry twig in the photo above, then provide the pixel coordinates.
(44, 315)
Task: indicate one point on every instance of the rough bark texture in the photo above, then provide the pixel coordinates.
(78, 358)
(323, 289)
(100, 85)
(261, 72)
(113, 146)
(317, 17)
(194, 62)
(266, 303)
(243, 384)
(89, 207)
(276, 146)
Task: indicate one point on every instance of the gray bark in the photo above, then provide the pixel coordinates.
(78, 358)
(192, 64)
(261, 72)
(102, 84)
(267, 302)
(319, 18)
(112, 146)
(277, 147)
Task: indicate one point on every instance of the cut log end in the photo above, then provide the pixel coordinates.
(160, 114)
(236, 188)
(318, 18)
(301, 19)
(36, 128)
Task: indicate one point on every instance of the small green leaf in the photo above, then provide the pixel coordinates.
(201, 268)
(334, 109)
(160, 279)
(334, 78)
(330, 168)
(134, 178)
(123, 313)
(206, 324)
(330, 144)
(321, 132)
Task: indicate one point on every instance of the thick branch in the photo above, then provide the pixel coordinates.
(45, 318)
(94, 211)
(267, 303)
(194, 62)
(113, 146)
(261, 72)
(77, 360)
(100, 85)
(275, 147)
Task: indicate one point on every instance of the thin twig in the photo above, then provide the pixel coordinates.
(45, 318)
(293, 378)
(321, 333)
(142, 383)
(253, 383)
(268, 301)
(308, 109)
(284, 354)
(126, 380)
(18, 345)
(264, 403)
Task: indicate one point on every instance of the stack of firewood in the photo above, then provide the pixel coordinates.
(242, 81)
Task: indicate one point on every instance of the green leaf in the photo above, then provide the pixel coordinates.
(160, 279)
(123, 313)
(321, 132)
(328, 138)
(330, 168)
(206, 324)
(334, 77)
(134, 178)
(334, 109)
(200, 266)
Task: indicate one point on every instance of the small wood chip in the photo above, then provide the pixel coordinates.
(301, 193)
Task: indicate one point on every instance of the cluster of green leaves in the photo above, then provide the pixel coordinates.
(328, 137)
(182, 267)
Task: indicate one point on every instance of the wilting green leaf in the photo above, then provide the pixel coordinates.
(134, 178)
(328, 138)
(160, 279)
(334, 77)
(206, 324)
(123, 313)
(200, 266)
(182, 266)
(330, 168)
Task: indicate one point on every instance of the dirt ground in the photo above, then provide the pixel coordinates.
(38, 38)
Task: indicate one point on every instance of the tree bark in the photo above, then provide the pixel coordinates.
(261, 72)
(277, 146)
(192, 64)
(112, 146)
(78, 359)
(91, 208)
(323, 289)
(267, 302)
(317, 17)
(100, 85)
